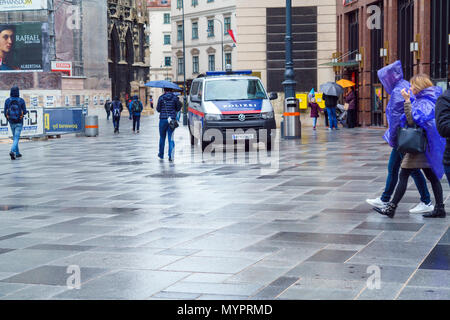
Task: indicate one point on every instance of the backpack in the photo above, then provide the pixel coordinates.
(116, 109)
(136, 107)
(15, 113)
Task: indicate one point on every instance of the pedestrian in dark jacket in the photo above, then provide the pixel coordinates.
(135, 107)
(116, 108)
(331, 103)
(315, 109)
(168, 107)
(443, 126)
(108, 109)
(421, 113)
(350, 98)
(14, 110)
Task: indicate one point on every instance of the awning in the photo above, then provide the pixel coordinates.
(341, 64)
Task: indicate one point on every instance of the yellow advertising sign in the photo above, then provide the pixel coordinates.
(302, 100)
(319, 100)
(47, 121)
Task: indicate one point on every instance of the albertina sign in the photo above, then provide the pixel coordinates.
(13, 5)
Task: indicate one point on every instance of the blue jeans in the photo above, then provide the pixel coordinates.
(16, 129)
(314, 122)
(164, 130)
(395, 161)
(136, 122)
(332, 117)
(116, 121)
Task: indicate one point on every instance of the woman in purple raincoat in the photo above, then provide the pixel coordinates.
(392, 80)
(421, 113)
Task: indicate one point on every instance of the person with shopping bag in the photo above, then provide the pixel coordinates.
(421, 113)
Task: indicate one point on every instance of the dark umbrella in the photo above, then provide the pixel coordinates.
(163, 84)
(331, 89)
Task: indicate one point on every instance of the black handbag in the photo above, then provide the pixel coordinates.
(173, 124)
(411, 140)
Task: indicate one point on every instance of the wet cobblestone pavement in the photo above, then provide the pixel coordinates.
(292, 225)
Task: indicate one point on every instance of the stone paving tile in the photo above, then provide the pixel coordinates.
(424, 293)
(53, 275)
(348, 272)
(9, 288)
(210, 264)
(35, 292)
(240, 289)
(117, 260)
(438, 259)
(124, 285)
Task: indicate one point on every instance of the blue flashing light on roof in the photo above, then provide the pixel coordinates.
(224, 73)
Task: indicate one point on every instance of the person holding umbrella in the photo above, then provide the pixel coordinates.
(331, 92)
(350, 101)
(168, 107)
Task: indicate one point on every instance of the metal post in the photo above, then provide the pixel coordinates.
(184, 72)
(291, 116)
(289, 75)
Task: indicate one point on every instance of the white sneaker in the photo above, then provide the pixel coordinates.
(422, 208)
(377, 203)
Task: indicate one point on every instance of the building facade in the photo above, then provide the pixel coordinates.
(261, 41)
(128, 55)
(374, 33)
(48, 32)
(160, 33)
(208, 44)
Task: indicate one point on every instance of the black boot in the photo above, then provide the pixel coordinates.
(438, 212)
(389, 210)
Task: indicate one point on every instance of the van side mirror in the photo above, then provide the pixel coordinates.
(195, 99)
(273, 96)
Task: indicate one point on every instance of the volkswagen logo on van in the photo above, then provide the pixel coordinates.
(241, 117)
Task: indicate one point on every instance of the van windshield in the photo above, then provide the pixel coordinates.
(234, 89)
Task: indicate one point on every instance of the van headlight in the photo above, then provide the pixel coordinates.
(213, 117)
(267, 115)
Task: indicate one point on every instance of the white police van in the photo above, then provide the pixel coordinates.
(234, 103)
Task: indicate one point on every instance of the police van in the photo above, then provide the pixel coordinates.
(233, 103)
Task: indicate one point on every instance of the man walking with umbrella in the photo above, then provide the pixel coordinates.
(168, 107)
(331, 92)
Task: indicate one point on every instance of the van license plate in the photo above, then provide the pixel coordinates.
(243, 136)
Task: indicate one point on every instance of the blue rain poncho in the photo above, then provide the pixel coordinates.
(423, 113)
(391, 77)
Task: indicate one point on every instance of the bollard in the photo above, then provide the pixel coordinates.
(91, 126)
(292, 125)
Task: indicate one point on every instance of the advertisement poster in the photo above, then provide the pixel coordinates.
(34, 101)
(49, 101)
(16, 5)
(21, 47)
(63, 120)
(33, 124)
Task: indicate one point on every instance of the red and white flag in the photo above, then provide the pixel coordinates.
(230, 32)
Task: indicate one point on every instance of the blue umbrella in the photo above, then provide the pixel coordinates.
(312, 93)
(163, 84)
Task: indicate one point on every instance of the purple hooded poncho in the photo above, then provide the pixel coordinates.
(423, 113)
(391, 78)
